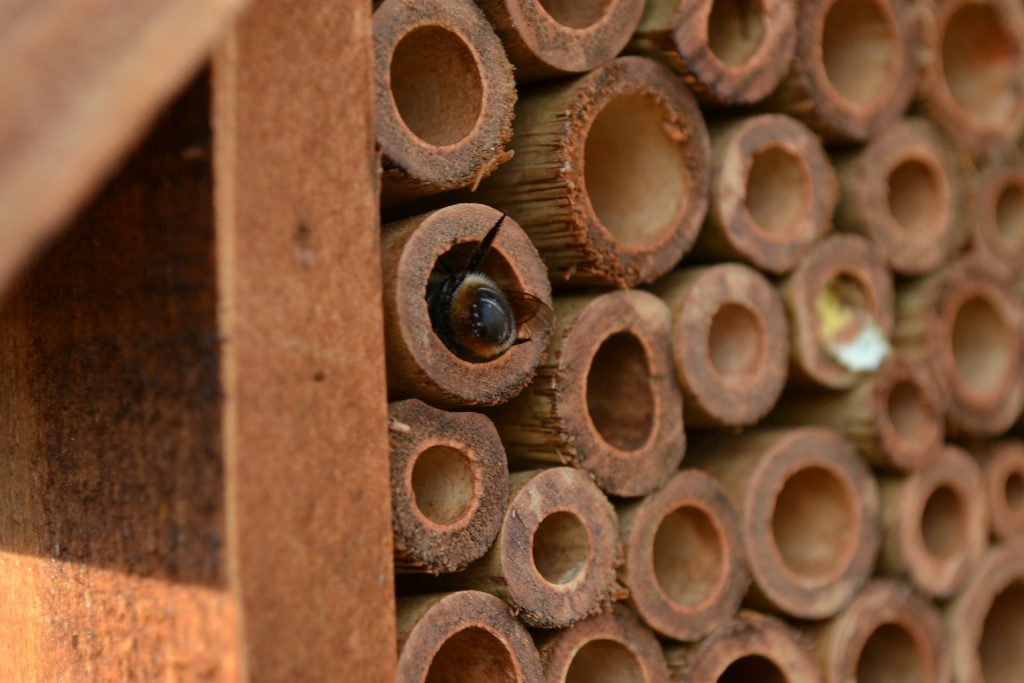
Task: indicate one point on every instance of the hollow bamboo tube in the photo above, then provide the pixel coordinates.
(418, 362)
(751, 647)
(610, 176)
(894, 416)
(973, 80)
(556, 555)
(997, 223)
(729, 52)
(851, 268)
(855, 69)
(463, 637)
(773, 191)
(888, 634)
(964, 322)
(1002, 468)
(444, 96)
(934, 522)
(545, 38)
(808, 511)
(613, 647)
(685, 565)
(730, 342)
(906, 191)
(987, 619)
(449, 478)
(605, 399)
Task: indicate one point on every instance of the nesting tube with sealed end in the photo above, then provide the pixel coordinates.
(773, 192)
(964, 323)
(997, 222)
(906, 190)
(750, 647)
(730, 52)
(444, 96)
(855, 69)
(730, 341)
(685, 566)
(613, 647)
(808, 509)
(610, 176)
(449, 480)
(894, 416)
(415, 252)
(605, 399)
(840, 304)
(556, 555)
(1002, 467)
(973, 82)
(463, 637)
(935, 523)
(545, 38)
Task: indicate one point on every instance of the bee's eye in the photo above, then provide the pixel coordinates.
(491, 317)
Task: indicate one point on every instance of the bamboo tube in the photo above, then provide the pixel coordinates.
(448, 482)
(855, 69)
(729, 341)
(463, 637)
(610, 176)
(605, 399)
(444, 96)
(556, 555)
(685, 567)
(934, 522)
(545, 38)
(729, 52)
(997, 224)
(613, 647)
(808, 510)
(894, 416)
(847, 273)
(906, 191)
(418, 362)
(964, 322)
(1002, 468)
(973, 80)
(751, 647)
(888, 634)
(987, 620)
(773, 191)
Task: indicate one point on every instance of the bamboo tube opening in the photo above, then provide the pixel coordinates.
(859, 47)
(943, 526)
(605, 661)
(979, 60)
(779, 192)
(634, 171)
(1002, 641)
(1010, 214)
(984, 347)
(561, 547)
(472, 654)
(753, 668)
(814, 524)
(891, 655)
(916, 196)
(851, 294)
(443, 484)
(689, 562)
(910, 412)
(1013, 491)
(620, 398)
(576, 13)
(736, 29)
(1003, 470)
(736, 343)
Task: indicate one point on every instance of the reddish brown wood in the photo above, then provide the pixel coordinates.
(1002, 466)
(997, 222)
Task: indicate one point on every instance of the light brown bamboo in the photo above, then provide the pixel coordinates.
(1002, 467)
(997, 222)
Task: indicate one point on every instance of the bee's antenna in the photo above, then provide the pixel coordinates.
(484, 246)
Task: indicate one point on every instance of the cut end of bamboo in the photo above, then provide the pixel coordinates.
(998, 221)
(448, 482)
(908, 414)
(685, 567)
(463, 637)
(445, 96)
(419, 363)
(1003, 471)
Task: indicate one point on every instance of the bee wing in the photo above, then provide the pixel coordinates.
(526, 307)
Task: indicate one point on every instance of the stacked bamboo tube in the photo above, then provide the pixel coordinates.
(762, 421)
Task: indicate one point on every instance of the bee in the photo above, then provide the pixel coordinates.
(475, 318)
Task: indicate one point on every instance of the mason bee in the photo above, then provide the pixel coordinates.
(475, 318)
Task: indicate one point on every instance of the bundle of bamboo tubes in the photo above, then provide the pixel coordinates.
(705, 333)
